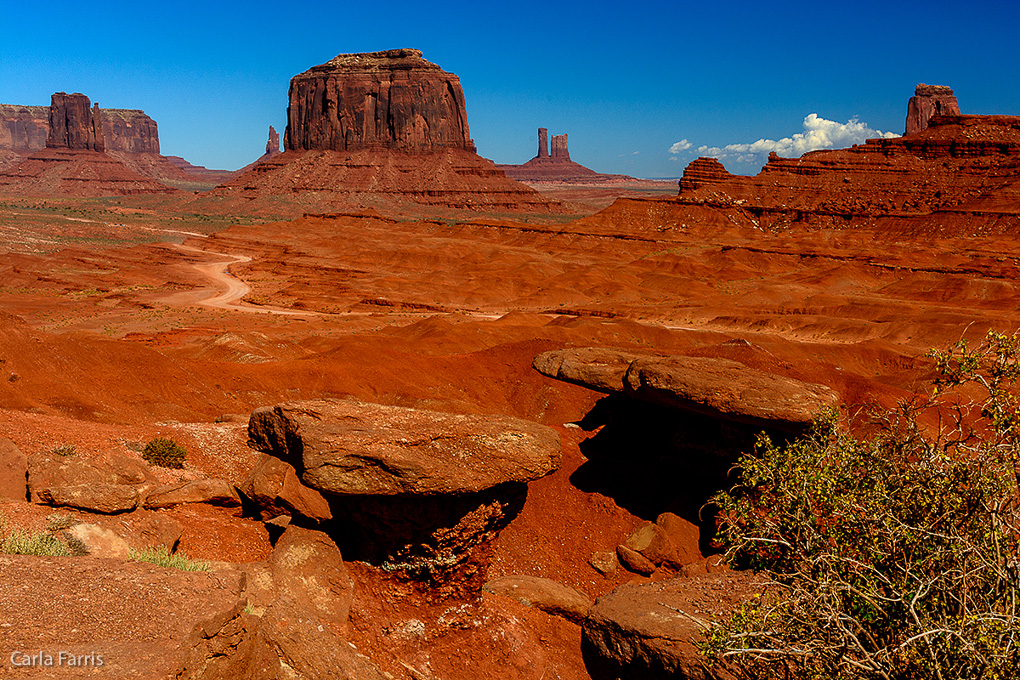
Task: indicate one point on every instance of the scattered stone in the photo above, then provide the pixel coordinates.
(209, 490)
(274, 489)
(653, 542)
(13, 472)
(684, 536)
(145, 530)
(604, 562)
(99, 542)
(542, 593)
(649, 631)
(634, 561)
(108, 499)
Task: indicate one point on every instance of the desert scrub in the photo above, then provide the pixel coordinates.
(65, 450)
(164, 558)
(58, 521)
(22, 542)
(165, 452)
(895, 556)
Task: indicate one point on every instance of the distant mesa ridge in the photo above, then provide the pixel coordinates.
(27, 128)
(953, 174)
(556, 166)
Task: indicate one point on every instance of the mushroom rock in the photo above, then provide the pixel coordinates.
(928, 101)
(392, 99)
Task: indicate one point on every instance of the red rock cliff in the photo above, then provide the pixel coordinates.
(130, 130)
(928, 101)
(26, 128)
(73, 124)
(393, 99)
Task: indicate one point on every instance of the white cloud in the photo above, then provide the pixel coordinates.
(682, 145)
(819, 133)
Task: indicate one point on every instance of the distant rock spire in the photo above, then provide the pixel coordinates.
(273, 145)
(928, 101)
(73, 124)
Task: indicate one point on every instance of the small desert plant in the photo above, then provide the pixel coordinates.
(894, 557)
(22, 542)
(58, 521)
(165, 452)
(164, 558)
(65, 450)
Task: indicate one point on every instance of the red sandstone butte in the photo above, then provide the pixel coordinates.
(928, 101)
(73, 124)
(392, 99)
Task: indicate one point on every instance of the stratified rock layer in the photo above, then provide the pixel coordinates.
(392, 99)
(958, 177)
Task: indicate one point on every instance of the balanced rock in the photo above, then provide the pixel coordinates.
(349, 448)
(719, 388)
(392, 99)
(419, 491)
(649, 631)
(542, 593)
(928, 101)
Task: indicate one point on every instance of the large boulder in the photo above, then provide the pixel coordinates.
(206, 490)
(719, 388)
(349, 448)
(415, 490)
(649, 631)
(108, 499)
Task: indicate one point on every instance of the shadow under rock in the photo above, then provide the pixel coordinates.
(652, 459)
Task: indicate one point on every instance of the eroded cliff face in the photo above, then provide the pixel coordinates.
(393, 100)
(75, 124)
(928, 101)
(26, 128)
(960, 175)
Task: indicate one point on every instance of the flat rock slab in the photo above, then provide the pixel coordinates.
(636, 632)
(543, 593)
(720, 388)
(350, 448)
(136, 616)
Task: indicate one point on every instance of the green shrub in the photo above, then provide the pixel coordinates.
(58, 521)
(164, 452)
(894, 557)
(21, 542)
(164, 558)
(65, 450)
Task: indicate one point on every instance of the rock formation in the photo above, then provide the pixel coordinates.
(420, 490)
(392, 99)
(130, 130)
(380, 125)
(958, 175)
(73, 124)
(273, 144)
(24, 128)
(556, 167)
(928, 101)
(559, 147)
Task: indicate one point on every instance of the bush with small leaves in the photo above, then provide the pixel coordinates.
(165, 452)
(893, 557)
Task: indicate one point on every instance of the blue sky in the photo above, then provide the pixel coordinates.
(626, 81)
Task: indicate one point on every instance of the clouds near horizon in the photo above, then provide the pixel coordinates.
(819, 133)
